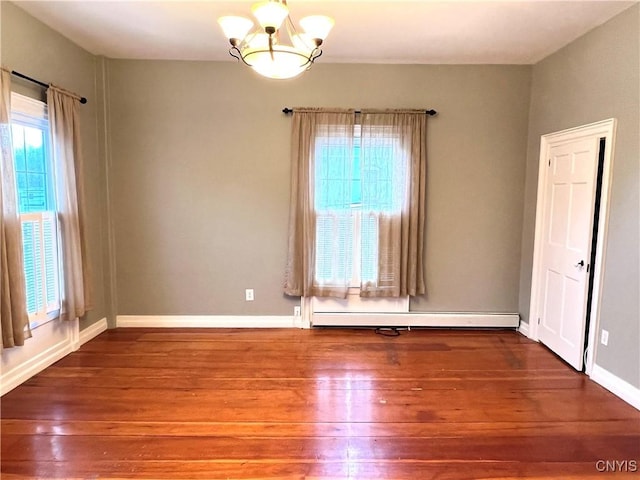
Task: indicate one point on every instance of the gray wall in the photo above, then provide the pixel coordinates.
(595, 78)
(32, 48)
(200, 180)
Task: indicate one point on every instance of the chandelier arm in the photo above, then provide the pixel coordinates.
(290, 27)
(317, 53)
(239, 57)
(235, 49)
(273, 57)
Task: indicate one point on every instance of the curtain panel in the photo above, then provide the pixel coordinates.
(311, 129)
(395, 140)
(64, 122)
(14, 320)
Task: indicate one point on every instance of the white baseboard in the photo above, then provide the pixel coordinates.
(616, 385)
(524, 329)
(209, 321)
(49, 343)
(411, 319)
(417, 319)
(35, 365)
(92, 331)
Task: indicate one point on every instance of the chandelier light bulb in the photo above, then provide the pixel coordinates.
(270, 14)
(235, 27)
(317, 26)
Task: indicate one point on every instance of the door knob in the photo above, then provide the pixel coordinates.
(580, 264)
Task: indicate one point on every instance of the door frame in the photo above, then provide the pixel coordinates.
(606, 129)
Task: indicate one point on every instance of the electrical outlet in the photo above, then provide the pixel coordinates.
(604, 337)
(296, 311)
(248, 294)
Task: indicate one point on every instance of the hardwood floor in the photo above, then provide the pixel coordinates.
(292, 404)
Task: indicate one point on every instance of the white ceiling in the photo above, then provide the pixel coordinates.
(418, 31)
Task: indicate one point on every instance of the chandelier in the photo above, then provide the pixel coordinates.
(276, 49)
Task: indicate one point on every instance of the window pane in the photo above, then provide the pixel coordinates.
(32, 266)
(356, 177)
(378, 173)
(17, 138)
(334, 247)
(369, 247)
(333, 178)
(324, 242)
(34, 138)
(21, 181)
(32, 182)
(35, 182)
(50, 258)
(34, 148)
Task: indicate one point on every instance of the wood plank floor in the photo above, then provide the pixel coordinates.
(293, 404)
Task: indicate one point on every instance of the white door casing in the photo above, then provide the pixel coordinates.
(562, 252)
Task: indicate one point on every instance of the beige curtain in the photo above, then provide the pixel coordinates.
(312, 131)
(14, 320)
(65, 134)
(393, 146)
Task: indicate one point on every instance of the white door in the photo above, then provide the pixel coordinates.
(569, 199)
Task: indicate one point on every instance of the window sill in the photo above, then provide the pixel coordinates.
(39, 321)
(354, 303)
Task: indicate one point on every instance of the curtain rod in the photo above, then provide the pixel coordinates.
(287, 111)
(38, 82)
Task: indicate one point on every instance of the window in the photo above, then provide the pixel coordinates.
(36, 203)
(350, 194)
(357, 204)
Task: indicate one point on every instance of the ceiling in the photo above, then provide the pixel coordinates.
(418, 31)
